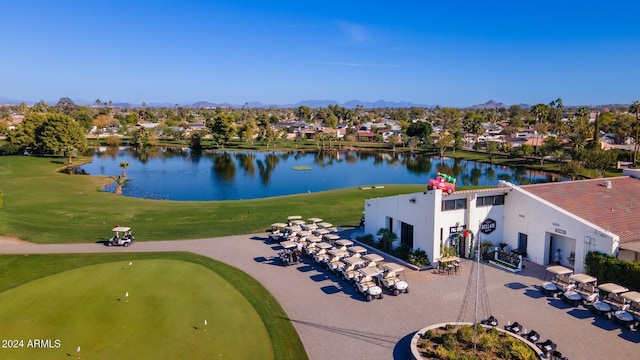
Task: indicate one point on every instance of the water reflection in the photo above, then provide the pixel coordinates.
(161, 173)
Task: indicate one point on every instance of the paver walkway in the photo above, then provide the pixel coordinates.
(334, 322)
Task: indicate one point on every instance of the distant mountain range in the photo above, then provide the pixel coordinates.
(491, 104)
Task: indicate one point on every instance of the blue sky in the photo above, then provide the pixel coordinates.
(450, 53)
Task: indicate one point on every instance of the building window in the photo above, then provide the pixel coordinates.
(454, 204)
(406, 234)
(490, 200)
(390, 223)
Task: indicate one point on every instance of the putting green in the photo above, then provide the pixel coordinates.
(163, 316)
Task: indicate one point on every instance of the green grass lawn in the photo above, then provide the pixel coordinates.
(81, 300)
(43, 206)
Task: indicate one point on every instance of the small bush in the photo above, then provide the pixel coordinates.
(428, 335)
(465, 334)
(402, 251)
(366, 239)
(449, 341)
(418, 257)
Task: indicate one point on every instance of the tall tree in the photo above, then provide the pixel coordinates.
(221, 128)
(635, 109)
(59, 134)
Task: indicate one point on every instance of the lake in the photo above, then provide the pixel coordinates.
(181, 174)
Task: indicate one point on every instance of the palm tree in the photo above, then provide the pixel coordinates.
(387, 237)
(635, 108)
(120, 181)
(124, 165)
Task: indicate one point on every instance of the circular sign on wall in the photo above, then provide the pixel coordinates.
(488, 226)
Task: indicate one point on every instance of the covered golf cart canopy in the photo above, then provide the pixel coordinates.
(325, 224)
(321, 232)
(278, 225)
(121, 229)
(369, 272)
(373, 257)
(294, 217)
(393, 267)
(304, 233)
(313, 239)
(559, 270)
(358, 249)
(331, 237)
(337, 253)
(324, 245)
(314, 220)
(632, 296)
(344, 242)
(612, 288)
(353, 261)
(583, 278)
(288, 244)
(298, 222)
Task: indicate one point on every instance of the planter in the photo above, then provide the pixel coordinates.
(415, 340)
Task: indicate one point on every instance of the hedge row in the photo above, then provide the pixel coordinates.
(607, 268)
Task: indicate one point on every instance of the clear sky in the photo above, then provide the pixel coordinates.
(450, 53)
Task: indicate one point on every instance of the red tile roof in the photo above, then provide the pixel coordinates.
(616, 209)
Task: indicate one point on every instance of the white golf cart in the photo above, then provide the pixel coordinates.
(334, 263)
(630, 318)
(365, 284)
(351, 266)
(612, 301)
(581, 290)
(392, 278)
(358, 251)
(373, 261)
(277, 232)
(321, 256)
(343, 244)
(122, 236)
(559, 282)
(289, 253)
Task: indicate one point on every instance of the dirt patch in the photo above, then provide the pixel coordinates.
(4, 240)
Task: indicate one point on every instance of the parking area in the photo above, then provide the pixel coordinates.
(334, 322)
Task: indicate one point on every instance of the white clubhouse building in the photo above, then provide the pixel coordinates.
(535, 220)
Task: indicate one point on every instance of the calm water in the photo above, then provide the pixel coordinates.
(179, 174)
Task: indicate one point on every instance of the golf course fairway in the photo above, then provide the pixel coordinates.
(139, 309)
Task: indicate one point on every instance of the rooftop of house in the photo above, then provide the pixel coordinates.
(615, 208)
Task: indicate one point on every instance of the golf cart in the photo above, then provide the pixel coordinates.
(321, 256)
(350, 269)
(125, 239)
(582, 290)
(334, 263)
(310, 246)
(331, 238)
(629, 318)
(357, 251)
(343, 244)
(277, 232)
(365, 284)
(559, 282)
(391, 280)
(612, 301)
(373, 261)
(289, 254)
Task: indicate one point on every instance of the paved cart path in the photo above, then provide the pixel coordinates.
(334, 322)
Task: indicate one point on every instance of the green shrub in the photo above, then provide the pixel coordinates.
(366, 239)
(449, 341)
(402, 251)
(418, 257)
(465, 334)
(428, 334)
(607, 268)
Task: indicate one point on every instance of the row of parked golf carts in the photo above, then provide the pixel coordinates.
(610, 300)
(320, 244)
